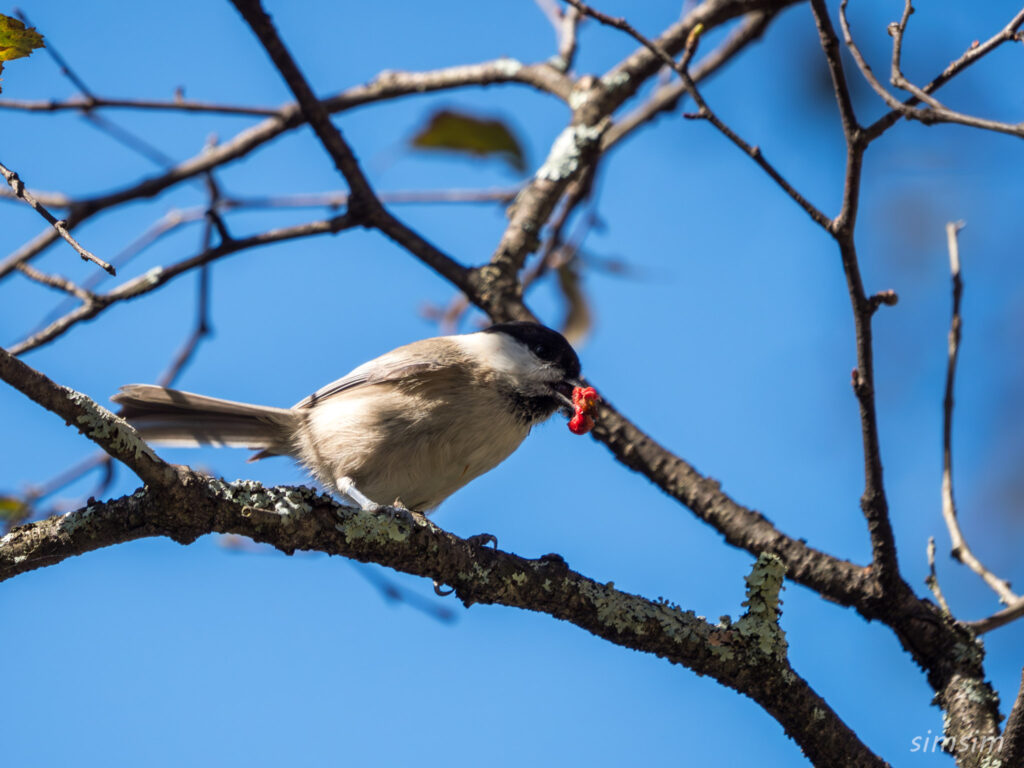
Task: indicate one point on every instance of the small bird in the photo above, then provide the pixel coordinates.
(408, 428)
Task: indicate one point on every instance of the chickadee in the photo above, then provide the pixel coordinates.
(411, 426)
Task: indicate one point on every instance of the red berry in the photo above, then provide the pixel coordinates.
(580, 424)
(584, 400)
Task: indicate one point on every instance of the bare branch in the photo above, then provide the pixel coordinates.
(99, 102)
(936, 112)
(998, 619)
(387, 85)
(899, 109)
(667, 97)
(158, 276)
(363, 197)
(705, 112)
(60, 225)
(749, 655)
(49, 199)
(364, 204)
(56, 281)
(565, 25)
(873, 503)
(1013, 734)
(115, 436)
(933, 580)
(961, 551)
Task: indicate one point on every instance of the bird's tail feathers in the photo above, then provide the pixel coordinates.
(176, 418)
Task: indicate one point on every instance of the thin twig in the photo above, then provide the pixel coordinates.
(705, 112)
(56, 281)
(998, 619)
(60, 225)
(364, 204)
(201, 329)
(387, 85)
(59, 60)
(933, 580)
(99, 102)
(565, 24)
(961, 551)
(937, 112)
(874, 503)
(900, 109)
(121, 135)
(158, 276)
(176, 218)
(666, 98)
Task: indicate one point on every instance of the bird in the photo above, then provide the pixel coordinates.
(406, 429)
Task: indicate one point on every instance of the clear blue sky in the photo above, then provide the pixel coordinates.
(731, 342)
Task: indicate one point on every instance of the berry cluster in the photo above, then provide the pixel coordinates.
(584, 402)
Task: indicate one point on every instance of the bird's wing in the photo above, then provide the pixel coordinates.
(399, 364)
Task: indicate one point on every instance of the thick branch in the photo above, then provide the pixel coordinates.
(364, 202)
(113, 435)
(1012, 752)
(748, 655)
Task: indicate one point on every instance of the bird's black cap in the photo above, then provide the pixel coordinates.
(545, 343)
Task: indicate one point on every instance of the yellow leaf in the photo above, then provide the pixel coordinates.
(461, 132)
(12, 508)
(16, 40)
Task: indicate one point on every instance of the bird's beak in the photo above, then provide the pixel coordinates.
(563, 390)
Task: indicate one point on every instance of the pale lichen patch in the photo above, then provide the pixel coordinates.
(286, 502)
(760, 623)
(567, 150)
(507, 66)
(140, 284)
(377, 527)
(614, 79)
(99, 424)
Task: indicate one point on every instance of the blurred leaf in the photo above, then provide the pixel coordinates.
(13, 511)
(16, 41)
(459, 132)
(578, 317)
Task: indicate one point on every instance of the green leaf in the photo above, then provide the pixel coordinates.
(16, 40)
(452, 131)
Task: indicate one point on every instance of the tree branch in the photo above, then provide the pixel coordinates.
(387, 85)
(59, 225)
(667, 97)
(113, 435)
(158, 276)
(748, 655)
(705, 111)
(960, 549)
(874, 504)
(969, 57)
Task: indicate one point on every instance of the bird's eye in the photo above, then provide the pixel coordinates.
(540, 350)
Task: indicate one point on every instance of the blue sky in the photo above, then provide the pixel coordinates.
(730, 341)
